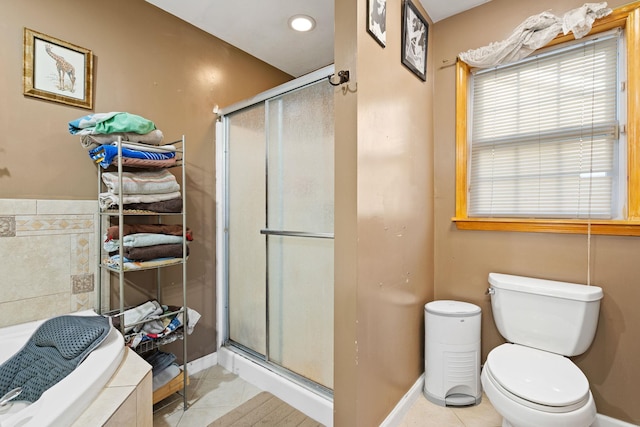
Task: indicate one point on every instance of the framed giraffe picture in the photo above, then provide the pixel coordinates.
(57, 71)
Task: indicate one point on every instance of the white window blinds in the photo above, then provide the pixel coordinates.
(544, 135)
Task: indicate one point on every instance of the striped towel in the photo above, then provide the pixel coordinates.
(143, 182)
(104, 154)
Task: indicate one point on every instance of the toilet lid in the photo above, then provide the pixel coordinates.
(538, 376)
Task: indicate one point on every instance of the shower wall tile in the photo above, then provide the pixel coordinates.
(50, 258)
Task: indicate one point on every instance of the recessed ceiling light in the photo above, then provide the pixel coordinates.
(302, 23)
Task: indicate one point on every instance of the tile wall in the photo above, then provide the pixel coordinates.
(47, 258)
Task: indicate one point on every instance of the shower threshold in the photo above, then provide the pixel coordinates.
(306, 396)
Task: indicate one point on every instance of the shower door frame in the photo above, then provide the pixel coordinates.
(222, 236)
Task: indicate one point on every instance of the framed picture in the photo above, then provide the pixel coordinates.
(57, 71)
(377, 20)
(415, 31)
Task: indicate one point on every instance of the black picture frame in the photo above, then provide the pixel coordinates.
(377, 20)
(415, 35)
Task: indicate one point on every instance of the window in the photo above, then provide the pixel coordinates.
(544, 140)
(547, 147)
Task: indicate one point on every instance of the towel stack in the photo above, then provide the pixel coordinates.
(146, 244)
(152, 190)
(136, 139)
(141, 142)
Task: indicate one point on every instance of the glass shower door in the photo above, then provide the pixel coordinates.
(299, 232)
(280, 231)
(246, 202)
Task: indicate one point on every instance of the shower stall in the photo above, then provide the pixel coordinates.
(275, 171)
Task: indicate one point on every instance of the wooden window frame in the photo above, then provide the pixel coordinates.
(627, 17)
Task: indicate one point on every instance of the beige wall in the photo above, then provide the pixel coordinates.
(463, 259)
(384, 231)
(149, 63)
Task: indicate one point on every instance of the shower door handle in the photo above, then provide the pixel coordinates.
(269, 232)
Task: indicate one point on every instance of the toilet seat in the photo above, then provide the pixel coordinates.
(538, 379)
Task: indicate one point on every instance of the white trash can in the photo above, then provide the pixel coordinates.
(452, 353)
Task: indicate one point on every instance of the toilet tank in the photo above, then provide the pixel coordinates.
(559, 317)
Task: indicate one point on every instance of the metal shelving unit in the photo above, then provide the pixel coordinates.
(120, 216)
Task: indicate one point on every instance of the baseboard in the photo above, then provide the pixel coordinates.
(400, 411)
(605, 421)
(402, 408)
(311, 404)
(204, 362)
(316, 407)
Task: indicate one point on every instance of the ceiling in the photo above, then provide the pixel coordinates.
(260, 27)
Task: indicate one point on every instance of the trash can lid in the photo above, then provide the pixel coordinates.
(452, 308)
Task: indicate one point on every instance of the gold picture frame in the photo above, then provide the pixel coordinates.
(57, 71)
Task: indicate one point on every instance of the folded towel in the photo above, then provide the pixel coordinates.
(145, 147)
(114, 262)
(108, 200)
(143, 182)
(101, 123)
(89, 142)
(105, 154)
(139, 240)
(161, 206)
(86, 124)
(147, 253)
(145, 163)
(113, 232)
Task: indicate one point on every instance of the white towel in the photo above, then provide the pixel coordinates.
(143, 182)
(141, 312)
(106, 200)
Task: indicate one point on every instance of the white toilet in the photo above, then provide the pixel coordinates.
(529, 381)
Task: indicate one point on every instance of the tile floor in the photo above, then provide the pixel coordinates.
(215, 391)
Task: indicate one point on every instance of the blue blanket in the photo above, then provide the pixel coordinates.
(105, 154)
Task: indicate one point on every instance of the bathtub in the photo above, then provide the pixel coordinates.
(64, 402)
